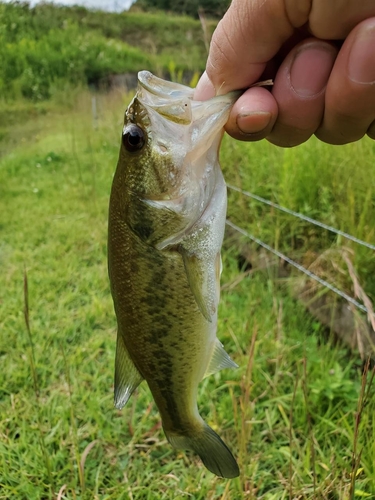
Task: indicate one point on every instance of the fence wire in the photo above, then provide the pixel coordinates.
(295, 264)
(303, 217)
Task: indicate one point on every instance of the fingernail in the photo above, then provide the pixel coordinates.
(361, 64)
(311, 68)
(253, 122)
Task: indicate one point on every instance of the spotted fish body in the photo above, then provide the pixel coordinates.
(166, 225)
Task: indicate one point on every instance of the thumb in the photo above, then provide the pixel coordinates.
(248, 36)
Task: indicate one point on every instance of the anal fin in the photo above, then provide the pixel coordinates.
(220, 359)
(127, 377)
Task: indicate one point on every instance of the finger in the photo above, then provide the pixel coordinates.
(371, 130)
(205, 90)
(335, 19)
(252, 32)
(247, 37)
(299, 91)
(253, 115)
(350, 93)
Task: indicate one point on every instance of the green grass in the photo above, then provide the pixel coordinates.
(335, 185)
(288, 412)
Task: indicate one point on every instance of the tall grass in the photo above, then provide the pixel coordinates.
(335, 185)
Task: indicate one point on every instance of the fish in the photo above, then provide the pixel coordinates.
(166, 225)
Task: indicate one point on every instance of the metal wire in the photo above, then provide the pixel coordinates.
(303, 217)
(299, 267)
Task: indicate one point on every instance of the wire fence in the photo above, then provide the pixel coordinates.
(303, 217)
(292, 262)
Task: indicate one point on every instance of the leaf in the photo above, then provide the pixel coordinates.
(85, 453)
(362, 494)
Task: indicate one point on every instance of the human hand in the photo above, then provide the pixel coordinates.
(321, 56)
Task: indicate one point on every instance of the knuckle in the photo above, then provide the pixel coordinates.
(338, 137)
(289, 137)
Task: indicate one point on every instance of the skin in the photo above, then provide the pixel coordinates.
(321, 57)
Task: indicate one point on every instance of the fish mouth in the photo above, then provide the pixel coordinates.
(175, 101)
(168, 99)
(200, 123)
(163, 88)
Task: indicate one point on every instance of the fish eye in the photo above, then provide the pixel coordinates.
(133, 138)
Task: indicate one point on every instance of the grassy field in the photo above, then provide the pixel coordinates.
(290, 412)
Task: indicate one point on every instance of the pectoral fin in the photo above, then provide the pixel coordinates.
(203, 277)
(219, 360)
(127, 377)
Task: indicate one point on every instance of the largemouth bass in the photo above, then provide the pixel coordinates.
(166, 225)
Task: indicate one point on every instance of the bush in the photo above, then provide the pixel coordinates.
(47, 46)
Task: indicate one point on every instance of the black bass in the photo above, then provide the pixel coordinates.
(166, 225)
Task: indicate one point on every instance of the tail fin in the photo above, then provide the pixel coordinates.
(213, 452)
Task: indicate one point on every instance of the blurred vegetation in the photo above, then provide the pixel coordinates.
(215, 8)
(49, 47)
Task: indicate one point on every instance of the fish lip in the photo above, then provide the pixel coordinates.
(172, 101)
(175, 101)
(163, 88)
